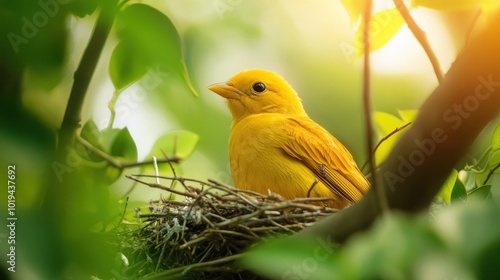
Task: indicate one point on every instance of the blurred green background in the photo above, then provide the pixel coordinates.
(310, 44)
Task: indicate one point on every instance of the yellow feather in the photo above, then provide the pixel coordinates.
(275, 146)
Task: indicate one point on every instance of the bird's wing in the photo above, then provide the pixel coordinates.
(310, 143)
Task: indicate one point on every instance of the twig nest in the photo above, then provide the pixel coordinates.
(202, 233)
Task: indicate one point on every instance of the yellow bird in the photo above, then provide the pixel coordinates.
(275, 146)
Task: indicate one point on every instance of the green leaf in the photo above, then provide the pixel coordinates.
(82, 8)
(108, 138)
(387, 123)
(446, 4)
(458, 194)
(480, 194)
(114, 142)
(494, 161)
(180, 143)
(124, 145)
(153, 38)
(495, 141)
(383, 26)
(91, 134)
(126, 68)
(355, 8)
(468, 178)
(263, 258)
(447, 188)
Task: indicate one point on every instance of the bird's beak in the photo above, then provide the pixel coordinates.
(225, 90)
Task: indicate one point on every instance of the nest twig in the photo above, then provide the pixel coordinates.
(201, 235)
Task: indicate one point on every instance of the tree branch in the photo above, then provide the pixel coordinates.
(83, 75)
(398, 129)
(448, 123)
(492, 171)
(367, 106)
(421, 38)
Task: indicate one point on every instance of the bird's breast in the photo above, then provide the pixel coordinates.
(258, 161)
(255, 139)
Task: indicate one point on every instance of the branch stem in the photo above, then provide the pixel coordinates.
(122, 165)
(367, 106)
(83, 76)
(421, 38)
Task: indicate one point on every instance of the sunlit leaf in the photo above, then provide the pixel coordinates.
(153, 38)
(447, 4)
(447, 188)
(179, 143)
(125, 67)
(458, 194)
(383, 26)
(386, 124)
(408, 115)
(355, 8)
(468, 178)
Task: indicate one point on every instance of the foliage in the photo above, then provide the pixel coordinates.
(459, 240)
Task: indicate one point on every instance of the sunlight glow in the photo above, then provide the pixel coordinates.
(403, 53)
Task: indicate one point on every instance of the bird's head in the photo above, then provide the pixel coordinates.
(258, 91)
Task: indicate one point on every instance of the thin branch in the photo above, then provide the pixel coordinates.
(421, 38)
(173, 172)
(412, 192)
(83, 75)
(367, 106)
(492, 171)
(161, 187)
(148, 162)
(398, 129)
(111, 106)
(157, 173)
(99, 152)
(123, 165)
(312, 187)
(472, 25)
(181, 179)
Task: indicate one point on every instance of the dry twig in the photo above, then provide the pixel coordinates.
(203, 234)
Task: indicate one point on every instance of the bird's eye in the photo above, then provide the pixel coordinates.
(259, 87)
